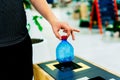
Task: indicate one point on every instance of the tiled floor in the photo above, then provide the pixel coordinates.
(90, 46)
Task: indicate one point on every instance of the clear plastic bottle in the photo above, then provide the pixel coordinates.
(64, 51)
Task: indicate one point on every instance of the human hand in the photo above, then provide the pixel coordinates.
(57, 26)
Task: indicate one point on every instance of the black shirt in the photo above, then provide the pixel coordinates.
(12, 22)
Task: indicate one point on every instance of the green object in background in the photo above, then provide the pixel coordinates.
(110, 27)
(37, 23)
(28, 27)
(27, 4)
(119, 26)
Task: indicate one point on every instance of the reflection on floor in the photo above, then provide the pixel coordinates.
(90, 46)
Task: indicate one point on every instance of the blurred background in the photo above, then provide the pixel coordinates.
(98, 40)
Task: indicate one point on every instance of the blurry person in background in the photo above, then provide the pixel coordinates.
(15, 42)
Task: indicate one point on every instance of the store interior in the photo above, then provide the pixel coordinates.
(98, 40)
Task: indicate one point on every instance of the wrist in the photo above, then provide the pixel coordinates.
(53, 21)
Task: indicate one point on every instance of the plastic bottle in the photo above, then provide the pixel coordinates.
(64, 51)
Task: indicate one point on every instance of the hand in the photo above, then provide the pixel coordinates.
(57, 26)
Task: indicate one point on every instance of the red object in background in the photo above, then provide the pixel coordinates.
(96, 13)
(116, 9)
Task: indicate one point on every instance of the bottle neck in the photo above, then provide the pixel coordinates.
(64, 40)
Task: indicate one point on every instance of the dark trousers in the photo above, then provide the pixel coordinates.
(16, 61)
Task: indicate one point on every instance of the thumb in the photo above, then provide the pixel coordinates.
(57, 35)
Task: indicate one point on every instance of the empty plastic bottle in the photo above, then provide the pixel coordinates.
(64, 51)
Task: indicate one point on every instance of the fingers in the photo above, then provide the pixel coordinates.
(73, 37)
(72, 34)
(58, 35)
(76, 30)
(70, 31)
(66, 29)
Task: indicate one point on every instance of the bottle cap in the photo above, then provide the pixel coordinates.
(64, 37)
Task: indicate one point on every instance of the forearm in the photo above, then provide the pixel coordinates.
(42, 7)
